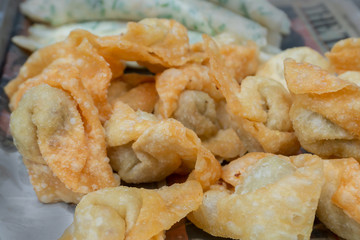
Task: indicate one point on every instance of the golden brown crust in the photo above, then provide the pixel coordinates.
(274, 67)
(283, 209)
(71, 141)
(344, 55)
(338, 214)
(253, 106)
(325, 111)
(133, 213)
(156, 148)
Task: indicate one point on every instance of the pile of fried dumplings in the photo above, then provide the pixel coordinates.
(213, 112)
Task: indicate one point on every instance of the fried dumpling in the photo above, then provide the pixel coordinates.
(197, 111)
(164, 43)
(274, 67)
(172, 82)
(133, 213)
(80, 51)
(145, 149)
(241, 58)
(259, 113)
(57, 130)
(325, 111)
(344, 55)
(339, 205)
(263, 196)
(136, 90)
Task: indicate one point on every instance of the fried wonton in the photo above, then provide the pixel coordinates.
(197, 111)
(163, 43)
(325, 111)
(240, 60)
(133, 213)
(263, 196)
(81, 51)
(172, 82)
(57, 130)
(339, 201)
(274, 67)
(226, 144)
(261, 114)
(344, 55)
(99, 59)
(136, 90)
(145, 149)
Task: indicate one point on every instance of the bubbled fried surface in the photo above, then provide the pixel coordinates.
(325, 111)
(274, 211)
(70, 143)
(339, 201)
(159, 148)
(344, 55)
(133, 213)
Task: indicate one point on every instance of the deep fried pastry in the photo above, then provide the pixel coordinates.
(49, 129)
(274, 67)
(133, 213)
(344, 55)
(351, 76)
(272, 197)
(226, 144)
(172, 82)
(163, 43)
(263, 115)
(144, 149)
(339, 201)
(197, 111)
(136, 90)
(79, 50)
(47, 186)
(99, 59)
(325, 111)
(240, 60)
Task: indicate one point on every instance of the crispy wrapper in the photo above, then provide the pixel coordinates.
(339, 201)
(351, 76)
(274, 67)
(325, 111)
(136, 90)
(197, 111)
(59, 126)
(240, 59)
(264, 196)
(188, 95)
(163, 43)
(47, 186)
(81, 51)
(344, 55)
(144, 149)
(133, 213)
(226, 144)
(172, 82)
(259, 112)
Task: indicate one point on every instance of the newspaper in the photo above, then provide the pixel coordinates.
(319, 24)
(316, 23)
